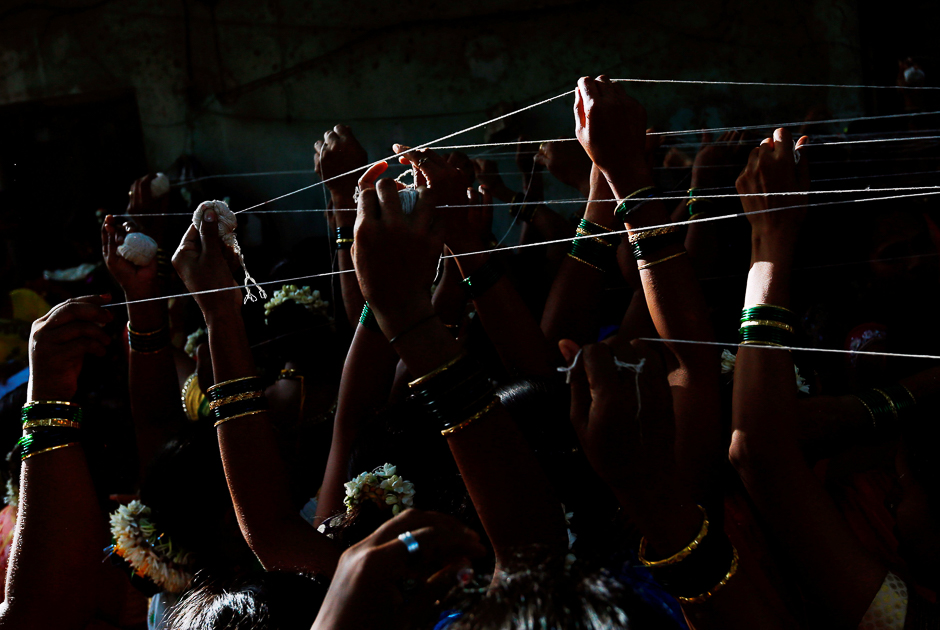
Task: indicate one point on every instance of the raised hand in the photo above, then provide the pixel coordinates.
(487, 172)
(136, 282)
(771, 168)
(611, 127)
(58, 343)
(339, 152)
(200, 261)
(373, 569)
(145, 210)
(716, 160)
(568, 163)
(395, 255)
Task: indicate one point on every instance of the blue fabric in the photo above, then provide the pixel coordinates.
(447, 617)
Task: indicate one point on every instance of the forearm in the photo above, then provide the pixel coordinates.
(488, 452)
(521, 345)
(838, 572)
(256, 475)
(367, 378)
(349, 286)
(450, 298)
(153, 385)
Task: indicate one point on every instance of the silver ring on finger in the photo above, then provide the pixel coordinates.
(410, 543)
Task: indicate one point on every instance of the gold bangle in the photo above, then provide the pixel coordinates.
(51, 448)
(871, 413)
(780, 308)
(768, 322)
(893, 407)
(234, 380)
(909, 393)
(443, 368)
(344, 240)
(215, 404)
(597, 225)
(704, 597)
(635, 193)
(680, 555)
(586, 263)
(192, 397)
(661, 260)
(757, 342)
(240, 415)
(52, 422)
(51, 402)
(594, 237)
(640, 234)
(695, 216)
(463, 425)
(136, 333)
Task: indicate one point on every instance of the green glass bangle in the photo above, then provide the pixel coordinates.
(590, 251)
(48, 410)
(650, 248)
(767, 311)
(590, 228)
(367, 319)
(765, 334)
(633, 201)
(483, 279)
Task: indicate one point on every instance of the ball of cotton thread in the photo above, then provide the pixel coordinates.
(138, 248)
(227, 223)
(159, 186)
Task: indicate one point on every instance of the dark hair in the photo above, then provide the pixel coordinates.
(252, 601)
(536, 595)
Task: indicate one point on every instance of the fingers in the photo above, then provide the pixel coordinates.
(368, 208)
(189, 243)
(209, 232)
(580, 120)
(589, 90)
(601, 372)
(84, 309)
(368, 178)
(783, 143)
(78, 330)
(387, 192)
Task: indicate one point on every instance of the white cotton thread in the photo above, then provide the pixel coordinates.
(138, 249)
(636, 368)
(159, 186)
(227, 224)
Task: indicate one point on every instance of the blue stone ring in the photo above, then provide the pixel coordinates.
(410, 543)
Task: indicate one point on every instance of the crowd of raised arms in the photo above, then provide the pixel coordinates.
(441, 433)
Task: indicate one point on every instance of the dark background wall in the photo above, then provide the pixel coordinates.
(93, 94)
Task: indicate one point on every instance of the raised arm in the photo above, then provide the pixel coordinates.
(55, 567)
(839, 575)
(340, 152)
(256, 475)
(152, 377)
(395, 259)
(611, 126)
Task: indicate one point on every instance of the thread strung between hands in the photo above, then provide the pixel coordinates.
(227, 224)
(636, 368)
(766, 84)
(560, 240)
(869, 353)
(568, 239)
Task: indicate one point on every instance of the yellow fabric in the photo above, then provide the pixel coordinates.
(14, 333)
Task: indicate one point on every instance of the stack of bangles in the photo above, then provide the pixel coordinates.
(455, 394)
(767, 325)
(698, 571)
(237, 398)
(595, 246)
(148, 342)
(887, 406)
(648, 244)
(344, 238)
(632, 202)
(49, 425)
(694, 205)
(522, 210)
(367, 319)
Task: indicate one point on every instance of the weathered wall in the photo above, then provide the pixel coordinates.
(249, 85)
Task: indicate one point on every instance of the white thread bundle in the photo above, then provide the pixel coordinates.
(159, 186)
(138, 248)
(227, 224)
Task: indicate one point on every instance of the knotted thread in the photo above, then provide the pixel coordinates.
(636, 368)
(227, 224)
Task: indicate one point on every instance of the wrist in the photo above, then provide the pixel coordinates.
(393, 320)
(771, 247)
(628, 178)
(37, 389)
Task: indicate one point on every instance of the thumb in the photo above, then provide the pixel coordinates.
(209, 231)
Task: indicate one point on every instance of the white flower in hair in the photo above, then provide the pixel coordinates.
(149, 552)
(382, 486)
(193, 341)
(727, 367)
(303, 296)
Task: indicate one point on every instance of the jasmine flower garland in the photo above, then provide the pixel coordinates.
(382, 486)
(193, 341)
(310, 300)
(150, 553)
